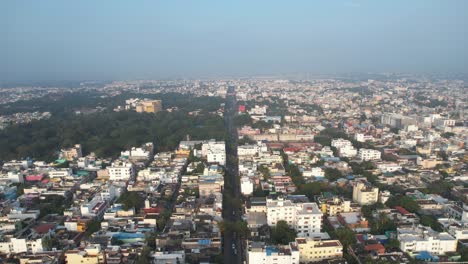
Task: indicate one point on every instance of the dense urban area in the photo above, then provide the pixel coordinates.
(254, 170)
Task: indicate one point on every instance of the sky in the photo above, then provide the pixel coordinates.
(155, 39)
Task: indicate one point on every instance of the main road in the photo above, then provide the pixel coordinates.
(232, 244)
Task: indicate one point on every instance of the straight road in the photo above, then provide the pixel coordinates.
(231, 212)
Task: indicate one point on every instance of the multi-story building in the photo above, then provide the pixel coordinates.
(305, 218)
(62, 172)
(364, 193)
(347, 151)
(339, 143)
(121, 171)
(247, 186)
(21, 245)
(149, 106)
(259, 253)
(331, 206)
(313, 250)
(421, 238)
(72, 153)
(215, 152)
(369, 154)
(89, 255)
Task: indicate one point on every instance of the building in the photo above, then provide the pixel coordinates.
(145, 152)
(72, 153)
(305, 218)
(214, 151)
(339, 143)
(259, 253)
(422, 238)
(397, 120)
(369, 154)
(331, 206)
(89, 255)
(173, 257)
(313, 250)
(247, 186)
(149, 106)
(121, 171)
(347, 151)
(364, 193)
(21, 245)
(59, 173)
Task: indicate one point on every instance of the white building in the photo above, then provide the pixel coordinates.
(360, 137)
(143, 153)
(421, 238)
(215, 152)
(369, 154)
(305, 218)
(247, 186)
(13, 176)
(59, 173)
(314, 172)
(21, 245)
(388, 167)
(121, 171)
(339, 143)
(247, 150)
(173, 257)
(258, 253)
(347, 151)
(364, 193)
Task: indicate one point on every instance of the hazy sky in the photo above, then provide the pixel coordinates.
(113, 39)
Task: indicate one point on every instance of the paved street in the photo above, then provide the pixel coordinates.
(232, 243)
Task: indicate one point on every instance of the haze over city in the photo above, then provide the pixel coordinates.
(103, 40)
(233, 132)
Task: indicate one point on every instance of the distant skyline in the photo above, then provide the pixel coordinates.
(116, 39)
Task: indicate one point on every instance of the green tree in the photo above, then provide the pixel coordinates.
(403, 201)
(346, 236)
(332, 174)
(131, 200)
(282, 233)
(312, 189)
(93, 226)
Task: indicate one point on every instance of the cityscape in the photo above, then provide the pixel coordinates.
(256, 133)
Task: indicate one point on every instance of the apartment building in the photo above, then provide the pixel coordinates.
(121, 171)
(259, 253)
(364, 193)
(369, 154)
(305, 218)
(214, 151)
(331, 206)
(313, 250)
(149, 106)
(422, 238)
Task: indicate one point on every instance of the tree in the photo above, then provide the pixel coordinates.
(403, 201)
(131, 200)
(245, 140)
(264, 171)
(93, 226)
(448, 134)
(346, 236)
(432, 222)
(332, 174)
(392, 243)
(258, 192)
(382, 224)
(282, 233)
(296, 174)
(312, 189)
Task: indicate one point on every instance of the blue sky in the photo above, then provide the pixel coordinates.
(113, 39)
